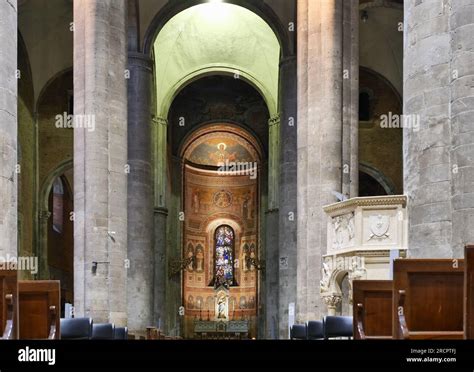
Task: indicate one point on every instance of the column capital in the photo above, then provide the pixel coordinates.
(157, 120)
(44, 215)
(331, 301)
(274, 120)
(161, 210)
(287, 60)
(140, 60)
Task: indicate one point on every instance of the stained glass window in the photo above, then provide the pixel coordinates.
(224, 256)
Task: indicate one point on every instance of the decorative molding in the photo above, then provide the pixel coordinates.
(161, 210)
(44, 215)
(379, 226)
(176, 266)
(275, 120)
(372, 201)
(140, 60)
(332, 300)
(159, 121)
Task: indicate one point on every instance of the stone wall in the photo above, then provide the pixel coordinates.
(439, 157)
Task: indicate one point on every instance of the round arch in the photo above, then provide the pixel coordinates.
(259, 7)
(376, 174)
(220, 38)
(215, 69)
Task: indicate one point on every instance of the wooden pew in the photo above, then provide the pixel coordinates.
(39, 304)
(428, 299)
(372, 309)
(469, 292)
(8, 304)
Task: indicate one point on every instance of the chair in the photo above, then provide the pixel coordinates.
(315, 330)
(121, 333)
(8, 332)
(298, 332)
(76, 328)
(103, 331)
(338, 326)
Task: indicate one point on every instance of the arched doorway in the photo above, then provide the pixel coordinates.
(61, 238)
(56, 231)
(221, 199)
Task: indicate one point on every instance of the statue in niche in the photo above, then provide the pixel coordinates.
(252, 257)
(251, 216)
(243, 303)
(190, 302)
(190, 256)
(245, 206)
(221, 307)
(245, 257)
(199, 259)
(199, 303)
(196, 202)
(251, 303)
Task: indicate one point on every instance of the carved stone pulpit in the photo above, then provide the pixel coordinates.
(361, 233)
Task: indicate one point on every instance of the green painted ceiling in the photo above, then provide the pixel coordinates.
(216, 38)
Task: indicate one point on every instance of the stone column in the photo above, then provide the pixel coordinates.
(43, 270)
(100, 160)
(350, 120)
(8, 128)
(438, 133)
(140, 193)
(321, 52)
(160, 128)
(287, 193)
(271, 232)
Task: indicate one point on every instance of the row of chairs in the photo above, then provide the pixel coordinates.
(85, 329)
(329, 327)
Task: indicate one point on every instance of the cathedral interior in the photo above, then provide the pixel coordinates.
(202, 168)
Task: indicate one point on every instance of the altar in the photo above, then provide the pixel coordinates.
(230, 330)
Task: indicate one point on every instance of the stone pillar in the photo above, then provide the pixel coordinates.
(271, 232)
(438, 133)
(271, 275)
(43, 270)
(140, 194)
(8, 128)
(100, 160)
(160, 128)
(321, 52)
(350, 106)
(287, 194)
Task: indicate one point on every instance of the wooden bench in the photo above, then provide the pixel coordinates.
(39, 304)
(372, 309)
(428, 299)
(469, 292)
(8, 304)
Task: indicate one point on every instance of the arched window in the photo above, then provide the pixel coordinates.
(58, 205)
(224, 256)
